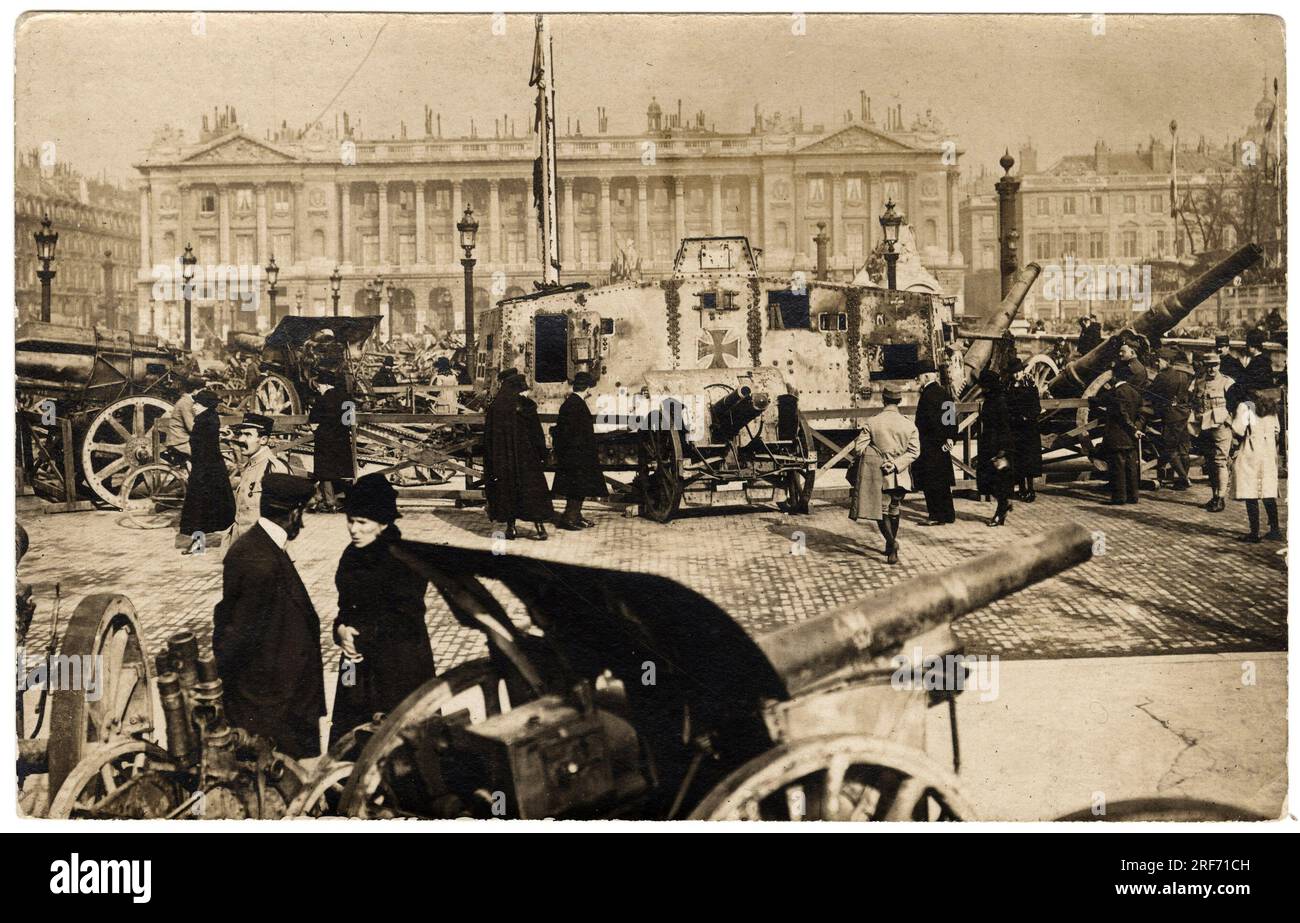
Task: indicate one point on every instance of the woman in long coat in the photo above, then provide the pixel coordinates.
(332, 462)
(380, 626)
(577, 466)
(514, 481)
(994, 468)
(1254, 466)
(209, 499)
(1024, 406)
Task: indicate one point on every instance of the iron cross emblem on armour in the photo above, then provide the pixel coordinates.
(717, 345)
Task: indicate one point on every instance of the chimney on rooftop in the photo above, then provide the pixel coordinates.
(1101, 157)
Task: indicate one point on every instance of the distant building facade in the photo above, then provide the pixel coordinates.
(320, 199)
(978, 231)
(98, 251)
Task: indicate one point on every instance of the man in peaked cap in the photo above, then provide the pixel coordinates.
(265, 631)
(898, 443)
(1169, 394)
(253, 435)
(1211, 424)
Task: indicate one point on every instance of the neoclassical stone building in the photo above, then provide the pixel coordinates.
(322, 199)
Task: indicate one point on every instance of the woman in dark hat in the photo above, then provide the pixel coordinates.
(514, 447)
(380, 627)
(577, 469)
(994, 468)
(332, 465)
(1024, 407)
(209, 500)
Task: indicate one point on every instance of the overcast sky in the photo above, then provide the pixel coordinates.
(100, 84)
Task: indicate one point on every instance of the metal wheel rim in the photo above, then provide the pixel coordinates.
(152, 496)
(799, 483)
(114, 443)
(921, 781)
(107, 767)
(276, 395)
(661, 474)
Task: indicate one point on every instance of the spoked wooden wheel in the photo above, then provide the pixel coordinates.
(107, 697)
(276, 394)
(845, 778)
(119, 438)
(392, 778)
(152, 496)
(799, 482)
(1081, 419)
(128, 779)
(322, 792)
(660, 473)
(1042, 368)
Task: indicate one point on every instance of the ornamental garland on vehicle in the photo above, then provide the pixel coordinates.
(853, 306)
(673, 302)
(755, 325)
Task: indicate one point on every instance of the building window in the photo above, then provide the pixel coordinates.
(244, 251)
(1096, 245)
(369, 248)
(1044, 206)
(623, 196)
(931, 236)
(1129, 244)
(587, 201)
(855, 241)
(243, 200)
(318, 244)
(1069, 244)
(660, 197)
(1094, 204)
(588, 247)
(986, 258)
(697, 199)
(816, 189)
(406, 201)
(406, 249)
(207, 203)
(1157, 204)
(1158, 243)
(782, 233)
(1042, 246)
(1130, 204)
(370, 203)
(514, 247)
(442, 200)
(208, 250)
(280, 200)
(442, 249)
(1067, 205)
(853, 190)
(282, 248)
(986, 223)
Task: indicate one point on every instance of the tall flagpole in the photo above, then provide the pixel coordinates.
(544, 176)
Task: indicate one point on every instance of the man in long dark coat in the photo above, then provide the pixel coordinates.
(995, 464)
(1024, 407)
(514, 448)
(1121, 405)
(209, 499)
(1171, 405)
(265, 631)
(936, 422)
(333, 465)
(577, 467)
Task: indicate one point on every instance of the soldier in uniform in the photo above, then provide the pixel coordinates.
(896, 441)
(265, 631)
(936, 425)
(1121, 404)
(180, 423)
(1212, 425)
(253, 434)
(577, 469)
(1171, 405)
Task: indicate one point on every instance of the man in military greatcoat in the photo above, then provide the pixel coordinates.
(1171, 406)
(577, 469)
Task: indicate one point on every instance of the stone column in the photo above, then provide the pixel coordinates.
(263, 246)
(567, 242)
(345, 227)
(145, 239)
(223, 225)
(606, 224)
(383, 223)
(755, 229)
(679, 210)
(643, 222)
(716, 214)
(874, 207)
(496, 253)
(457, 208)
(300, 237)
(837, 216)
(953, 249)
(798, 244)
(421, 244)
(182, 224)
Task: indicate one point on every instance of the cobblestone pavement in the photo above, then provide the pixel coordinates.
(1172, 580)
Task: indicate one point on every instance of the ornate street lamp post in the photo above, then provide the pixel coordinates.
(336, 284)
(188, 259)
(890, 222)
(468, 228)
(272, 274)
(821, 240)
(1008, 235)
(46, 240)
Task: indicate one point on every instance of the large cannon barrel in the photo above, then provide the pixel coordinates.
(1073, 380)
(817, 649)
(977, 355)
(62, 357)
(730, 414)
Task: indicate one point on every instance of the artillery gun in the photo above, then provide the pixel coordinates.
(88, 402)
(630, 696)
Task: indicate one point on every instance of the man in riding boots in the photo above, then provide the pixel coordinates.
(1211, 423)
(1171, 404)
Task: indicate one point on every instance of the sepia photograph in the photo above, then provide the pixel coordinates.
(650, 417)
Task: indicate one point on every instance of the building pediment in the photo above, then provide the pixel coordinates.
(856, 139)
(238, 149)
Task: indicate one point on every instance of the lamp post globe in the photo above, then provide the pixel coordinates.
(467, 226)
